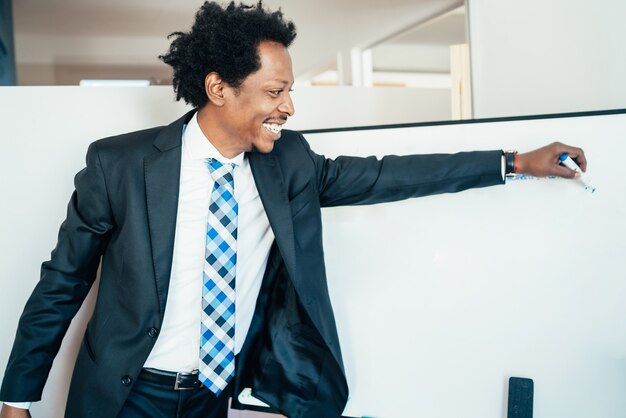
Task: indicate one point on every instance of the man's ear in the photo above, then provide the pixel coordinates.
(214, 88)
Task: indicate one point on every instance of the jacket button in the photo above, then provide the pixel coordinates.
(126, 380)
(153, 332)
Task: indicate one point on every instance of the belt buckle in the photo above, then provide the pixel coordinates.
(179, 379)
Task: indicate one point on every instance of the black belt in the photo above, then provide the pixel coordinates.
(174, 380)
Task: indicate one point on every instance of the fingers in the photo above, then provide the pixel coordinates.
(562, 171)
(577, 154)
(581, 161)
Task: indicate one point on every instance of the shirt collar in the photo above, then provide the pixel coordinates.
(200, 147)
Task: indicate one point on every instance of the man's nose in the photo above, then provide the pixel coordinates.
(287, 106)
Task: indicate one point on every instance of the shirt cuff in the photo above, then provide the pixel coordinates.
(21, 405)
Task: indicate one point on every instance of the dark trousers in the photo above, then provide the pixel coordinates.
(152, 400)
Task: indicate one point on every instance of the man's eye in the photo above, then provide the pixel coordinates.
(275, 92)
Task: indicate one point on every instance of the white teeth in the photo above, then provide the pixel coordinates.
(273, 127)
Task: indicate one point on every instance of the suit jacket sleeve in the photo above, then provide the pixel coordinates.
(359, 181)
(65, 281)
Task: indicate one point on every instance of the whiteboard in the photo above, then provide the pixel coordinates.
(463, 319)
(525, 279)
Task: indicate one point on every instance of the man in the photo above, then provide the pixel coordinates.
(209, 233)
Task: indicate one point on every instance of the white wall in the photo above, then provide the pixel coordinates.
(334, 107)
(538, 56)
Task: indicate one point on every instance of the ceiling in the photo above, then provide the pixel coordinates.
(61, 32)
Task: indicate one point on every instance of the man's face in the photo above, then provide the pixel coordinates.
(255, 112)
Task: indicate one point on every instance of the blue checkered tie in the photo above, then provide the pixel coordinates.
(217, 340)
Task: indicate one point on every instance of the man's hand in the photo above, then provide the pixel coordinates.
(544, 161)
(11, 412)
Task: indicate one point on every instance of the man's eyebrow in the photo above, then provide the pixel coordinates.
(286, 83)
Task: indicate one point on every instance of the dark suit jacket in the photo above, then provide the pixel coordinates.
(123, 213)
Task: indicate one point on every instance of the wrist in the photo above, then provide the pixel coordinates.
(9, 411)
(521, 164)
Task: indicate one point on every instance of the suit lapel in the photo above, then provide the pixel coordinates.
(271, 186)
(162, 180)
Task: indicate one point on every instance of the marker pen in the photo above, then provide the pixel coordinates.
(567, 161)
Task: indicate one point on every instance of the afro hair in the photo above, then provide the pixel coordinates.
(225, 41)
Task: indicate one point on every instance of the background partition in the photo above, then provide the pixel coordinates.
(439, 300)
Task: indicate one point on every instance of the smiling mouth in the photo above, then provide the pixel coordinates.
(273, 127)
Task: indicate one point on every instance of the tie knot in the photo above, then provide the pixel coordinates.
(221, 173)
